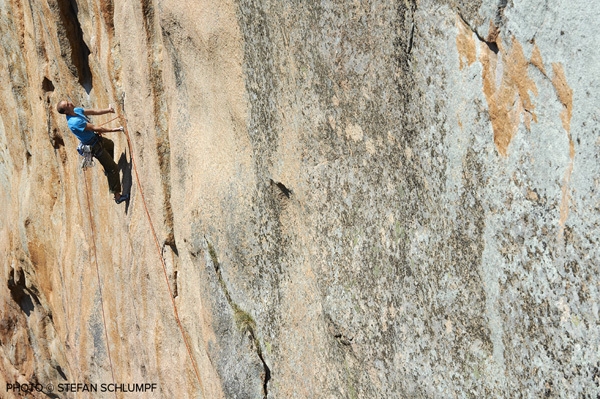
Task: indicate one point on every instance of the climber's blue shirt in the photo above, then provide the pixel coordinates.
(77, 125)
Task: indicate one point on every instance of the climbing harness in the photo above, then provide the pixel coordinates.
(85, 150)
(86, 153)
(89, 151)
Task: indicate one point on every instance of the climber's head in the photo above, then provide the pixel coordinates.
(65, 107)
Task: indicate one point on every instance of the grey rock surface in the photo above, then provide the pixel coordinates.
(351, 199)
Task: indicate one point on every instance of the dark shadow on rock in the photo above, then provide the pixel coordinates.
(75, 44)
(125, 167)
(22, 295)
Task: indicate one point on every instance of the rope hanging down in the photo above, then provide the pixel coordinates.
(164, 267)
(162, 260)
(87, 194)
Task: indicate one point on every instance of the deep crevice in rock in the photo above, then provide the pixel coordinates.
(175, 289)
(47, 85)
(284, 190)
(338, 332)
(61, 373)
(160, 105)
(410, 39)
(79, 50)
(243, 320)
(173, 277)
(171, 243)
(492, 36)
(406, 12)
(56, 139)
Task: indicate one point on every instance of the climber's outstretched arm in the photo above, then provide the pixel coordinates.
(102, 129)
(109, 110)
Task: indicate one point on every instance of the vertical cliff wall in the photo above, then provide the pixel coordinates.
(350, 199)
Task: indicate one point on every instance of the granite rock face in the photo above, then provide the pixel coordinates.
(350, 199)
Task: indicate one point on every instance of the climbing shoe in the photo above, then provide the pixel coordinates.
(123, 197)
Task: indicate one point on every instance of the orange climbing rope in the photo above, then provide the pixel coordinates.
(164, 267)
(116, 117)
(112, 372)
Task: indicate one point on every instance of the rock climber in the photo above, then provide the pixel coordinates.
(101, 147)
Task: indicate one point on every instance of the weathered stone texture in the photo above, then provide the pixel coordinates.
(371, 199)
